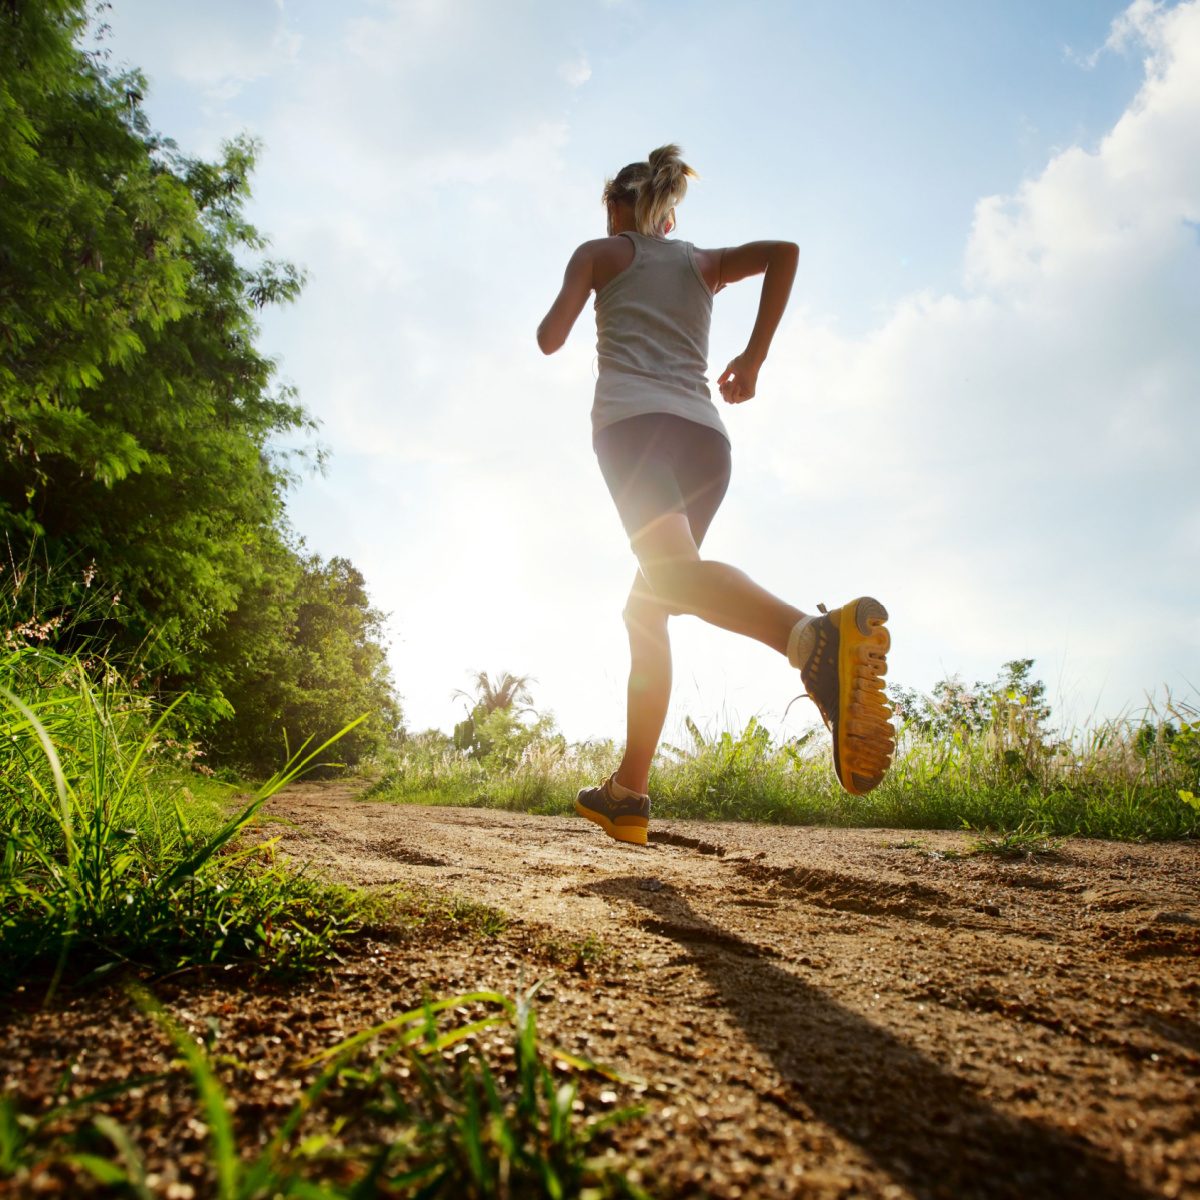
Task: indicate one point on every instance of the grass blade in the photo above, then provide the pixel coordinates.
(212, 1096)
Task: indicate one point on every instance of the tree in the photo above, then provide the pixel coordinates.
(142, 433)
(1012, 699)
(507, 690)
(489, 697)
(303, 656)
(137, 418)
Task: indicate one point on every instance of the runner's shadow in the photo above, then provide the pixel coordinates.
(920, 1123)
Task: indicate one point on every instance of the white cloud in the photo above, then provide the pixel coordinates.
(1015, 465)
(1140, 22)
(577, 71)
(218, 47)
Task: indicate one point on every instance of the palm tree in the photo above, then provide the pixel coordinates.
(507, 690)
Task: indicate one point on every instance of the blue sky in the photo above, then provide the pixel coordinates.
(981, 406)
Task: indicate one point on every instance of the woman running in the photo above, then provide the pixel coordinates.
(664, 454)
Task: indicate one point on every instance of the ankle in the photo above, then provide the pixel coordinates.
(801, 640)
(630, 785)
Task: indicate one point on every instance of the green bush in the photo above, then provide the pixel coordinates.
(311, 657)
(137, 417)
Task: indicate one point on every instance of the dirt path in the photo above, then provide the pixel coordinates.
(838, 1012)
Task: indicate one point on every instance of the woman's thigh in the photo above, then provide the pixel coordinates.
(658, 465)
(702, 464)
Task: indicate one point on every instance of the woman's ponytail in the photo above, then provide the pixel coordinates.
(653, 188)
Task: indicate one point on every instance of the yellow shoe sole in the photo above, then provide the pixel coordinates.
(866, 739)
(623, 829)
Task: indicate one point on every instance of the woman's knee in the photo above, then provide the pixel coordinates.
(673, 583)
(646, 620)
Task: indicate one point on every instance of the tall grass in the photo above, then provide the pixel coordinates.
(1134, 777)
(108, 860)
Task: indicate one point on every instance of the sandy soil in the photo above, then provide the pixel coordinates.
(814, 1012)
(844, 1011)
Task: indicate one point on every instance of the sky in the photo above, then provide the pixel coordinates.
(981, 406)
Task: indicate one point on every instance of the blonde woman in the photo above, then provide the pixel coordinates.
(664, 454)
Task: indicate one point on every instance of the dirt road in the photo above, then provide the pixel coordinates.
(837, 1012)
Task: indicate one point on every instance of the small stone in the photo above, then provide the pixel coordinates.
(1174, 918)
(651, 885)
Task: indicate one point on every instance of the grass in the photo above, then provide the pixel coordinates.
(414, 1107)
(108, 861)
(1135, 777)
(1022, 842)
(579, 955)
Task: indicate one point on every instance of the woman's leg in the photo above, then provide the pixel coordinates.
(714, 591)
(850, 639)
(649, 692)
(719, 593)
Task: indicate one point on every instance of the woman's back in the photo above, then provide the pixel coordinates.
(652, 323)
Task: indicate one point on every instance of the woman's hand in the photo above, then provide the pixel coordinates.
(739, 380)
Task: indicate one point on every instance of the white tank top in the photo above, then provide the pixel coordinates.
(652, 338)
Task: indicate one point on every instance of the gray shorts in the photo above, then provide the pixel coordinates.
(659, 463)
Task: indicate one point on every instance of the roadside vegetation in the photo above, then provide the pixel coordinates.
(987, 757)
(116, 857)
(121, 865)
(146, 443)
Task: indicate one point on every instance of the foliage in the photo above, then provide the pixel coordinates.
(410, 1108)
(1012, 697)
(1026, 841)
(507, 690)
(503, 738)
(137, 419)
(92, 231)
(143, 436)
(490, 699)
(101, 865)
(311, 656)
(430, 768)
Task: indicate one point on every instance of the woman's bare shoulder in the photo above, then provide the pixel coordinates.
(609, 257)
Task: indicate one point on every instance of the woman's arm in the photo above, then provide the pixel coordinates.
(568, 304)
(777, 260)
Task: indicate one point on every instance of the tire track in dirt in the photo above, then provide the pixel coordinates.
(836, 1012)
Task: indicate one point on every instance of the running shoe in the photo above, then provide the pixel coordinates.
(844, 675)
(626, 820)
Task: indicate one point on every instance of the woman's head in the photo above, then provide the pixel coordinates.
(651, 188)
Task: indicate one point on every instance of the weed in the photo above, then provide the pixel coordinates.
(26, 1140)
(477, 916)
(577, 956)
(1026, 841)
